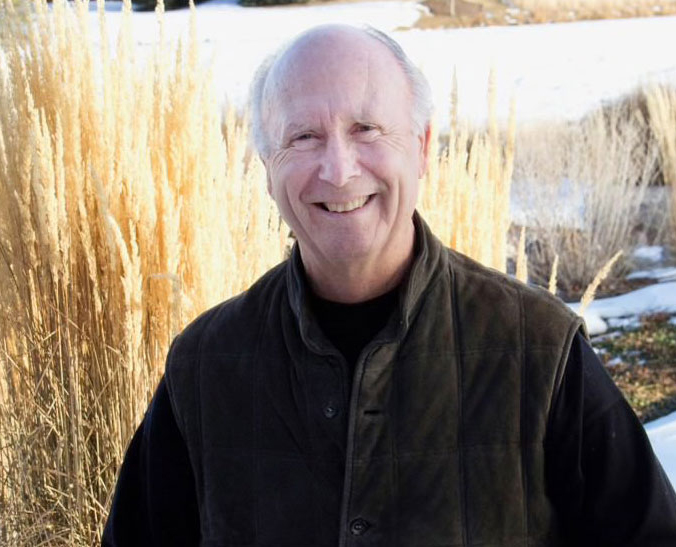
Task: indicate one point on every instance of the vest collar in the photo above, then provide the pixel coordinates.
(425, 268)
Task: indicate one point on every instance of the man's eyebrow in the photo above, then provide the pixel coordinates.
(294, 126)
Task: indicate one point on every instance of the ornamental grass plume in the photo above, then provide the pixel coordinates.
(521, 258)
(590, 291)
(465, 194)
(553, 274)
(123, 213)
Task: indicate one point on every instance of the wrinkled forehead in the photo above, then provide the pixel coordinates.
(345, 71)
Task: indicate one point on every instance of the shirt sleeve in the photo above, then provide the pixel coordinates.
(602, 476)
(155, 501)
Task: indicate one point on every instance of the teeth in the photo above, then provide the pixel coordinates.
(345, 207)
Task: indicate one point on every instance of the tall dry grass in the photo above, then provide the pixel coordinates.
(465, 195)
(584, 189)
(123, 213)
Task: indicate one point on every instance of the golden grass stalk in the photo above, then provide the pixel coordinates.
(590, 291)
(522, 258)
(465, 194)
(552, 277)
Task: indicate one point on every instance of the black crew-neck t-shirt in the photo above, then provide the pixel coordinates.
(350, 327)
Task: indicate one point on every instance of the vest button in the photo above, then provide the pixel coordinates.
(330, 410)
(358, 527)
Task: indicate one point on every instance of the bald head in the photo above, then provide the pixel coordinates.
(330, 54)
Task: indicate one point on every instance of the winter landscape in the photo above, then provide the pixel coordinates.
(565, 116)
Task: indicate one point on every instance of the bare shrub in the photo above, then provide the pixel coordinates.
(581, 187)
(661, 105)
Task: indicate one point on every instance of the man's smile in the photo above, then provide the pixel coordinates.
(346, 206)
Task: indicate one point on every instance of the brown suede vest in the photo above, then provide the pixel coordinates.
(438, 440)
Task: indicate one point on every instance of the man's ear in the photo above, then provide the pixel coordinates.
(424, 151)
(267, 175)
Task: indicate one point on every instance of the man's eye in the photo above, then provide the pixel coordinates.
(303, 140)
(364, 127)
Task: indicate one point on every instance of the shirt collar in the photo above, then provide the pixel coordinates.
(425, 268)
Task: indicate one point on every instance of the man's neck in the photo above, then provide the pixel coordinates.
(358, 281)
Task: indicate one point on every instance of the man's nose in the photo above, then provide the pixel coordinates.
(339, 162)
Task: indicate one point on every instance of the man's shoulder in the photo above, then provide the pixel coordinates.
(469, 271)
(234, 320)
(488, 293)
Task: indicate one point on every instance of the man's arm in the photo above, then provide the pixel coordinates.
(155, 501)
(602, 474)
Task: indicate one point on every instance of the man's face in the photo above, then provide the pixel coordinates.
(345, 156)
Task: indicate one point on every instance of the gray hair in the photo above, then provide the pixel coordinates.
(419, 86)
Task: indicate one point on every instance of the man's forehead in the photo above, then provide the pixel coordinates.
(328, 60)
(327, 43)
(298, 106)
(328, 56)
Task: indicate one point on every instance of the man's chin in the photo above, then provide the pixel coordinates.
(341, 252)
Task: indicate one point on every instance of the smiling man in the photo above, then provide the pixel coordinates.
(344, 152)
(377, 388)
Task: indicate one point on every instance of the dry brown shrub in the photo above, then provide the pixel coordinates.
(661, 107)
(584, 189)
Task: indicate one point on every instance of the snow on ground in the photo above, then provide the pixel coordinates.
(662, 435)
(659, 274)
(660, 297)
(649, 253)
(528, 199)
(240, 38)
(554, 70)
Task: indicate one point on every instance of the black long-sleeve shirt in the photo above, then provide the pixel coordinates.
(601, 472)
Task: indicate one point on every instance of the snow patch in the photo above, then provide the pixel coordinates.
(625, 323)
(528, 199)
(594, 323)
(614, 362)
(652, 299)
(659, 274)
(653, 253)
(662, 435)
